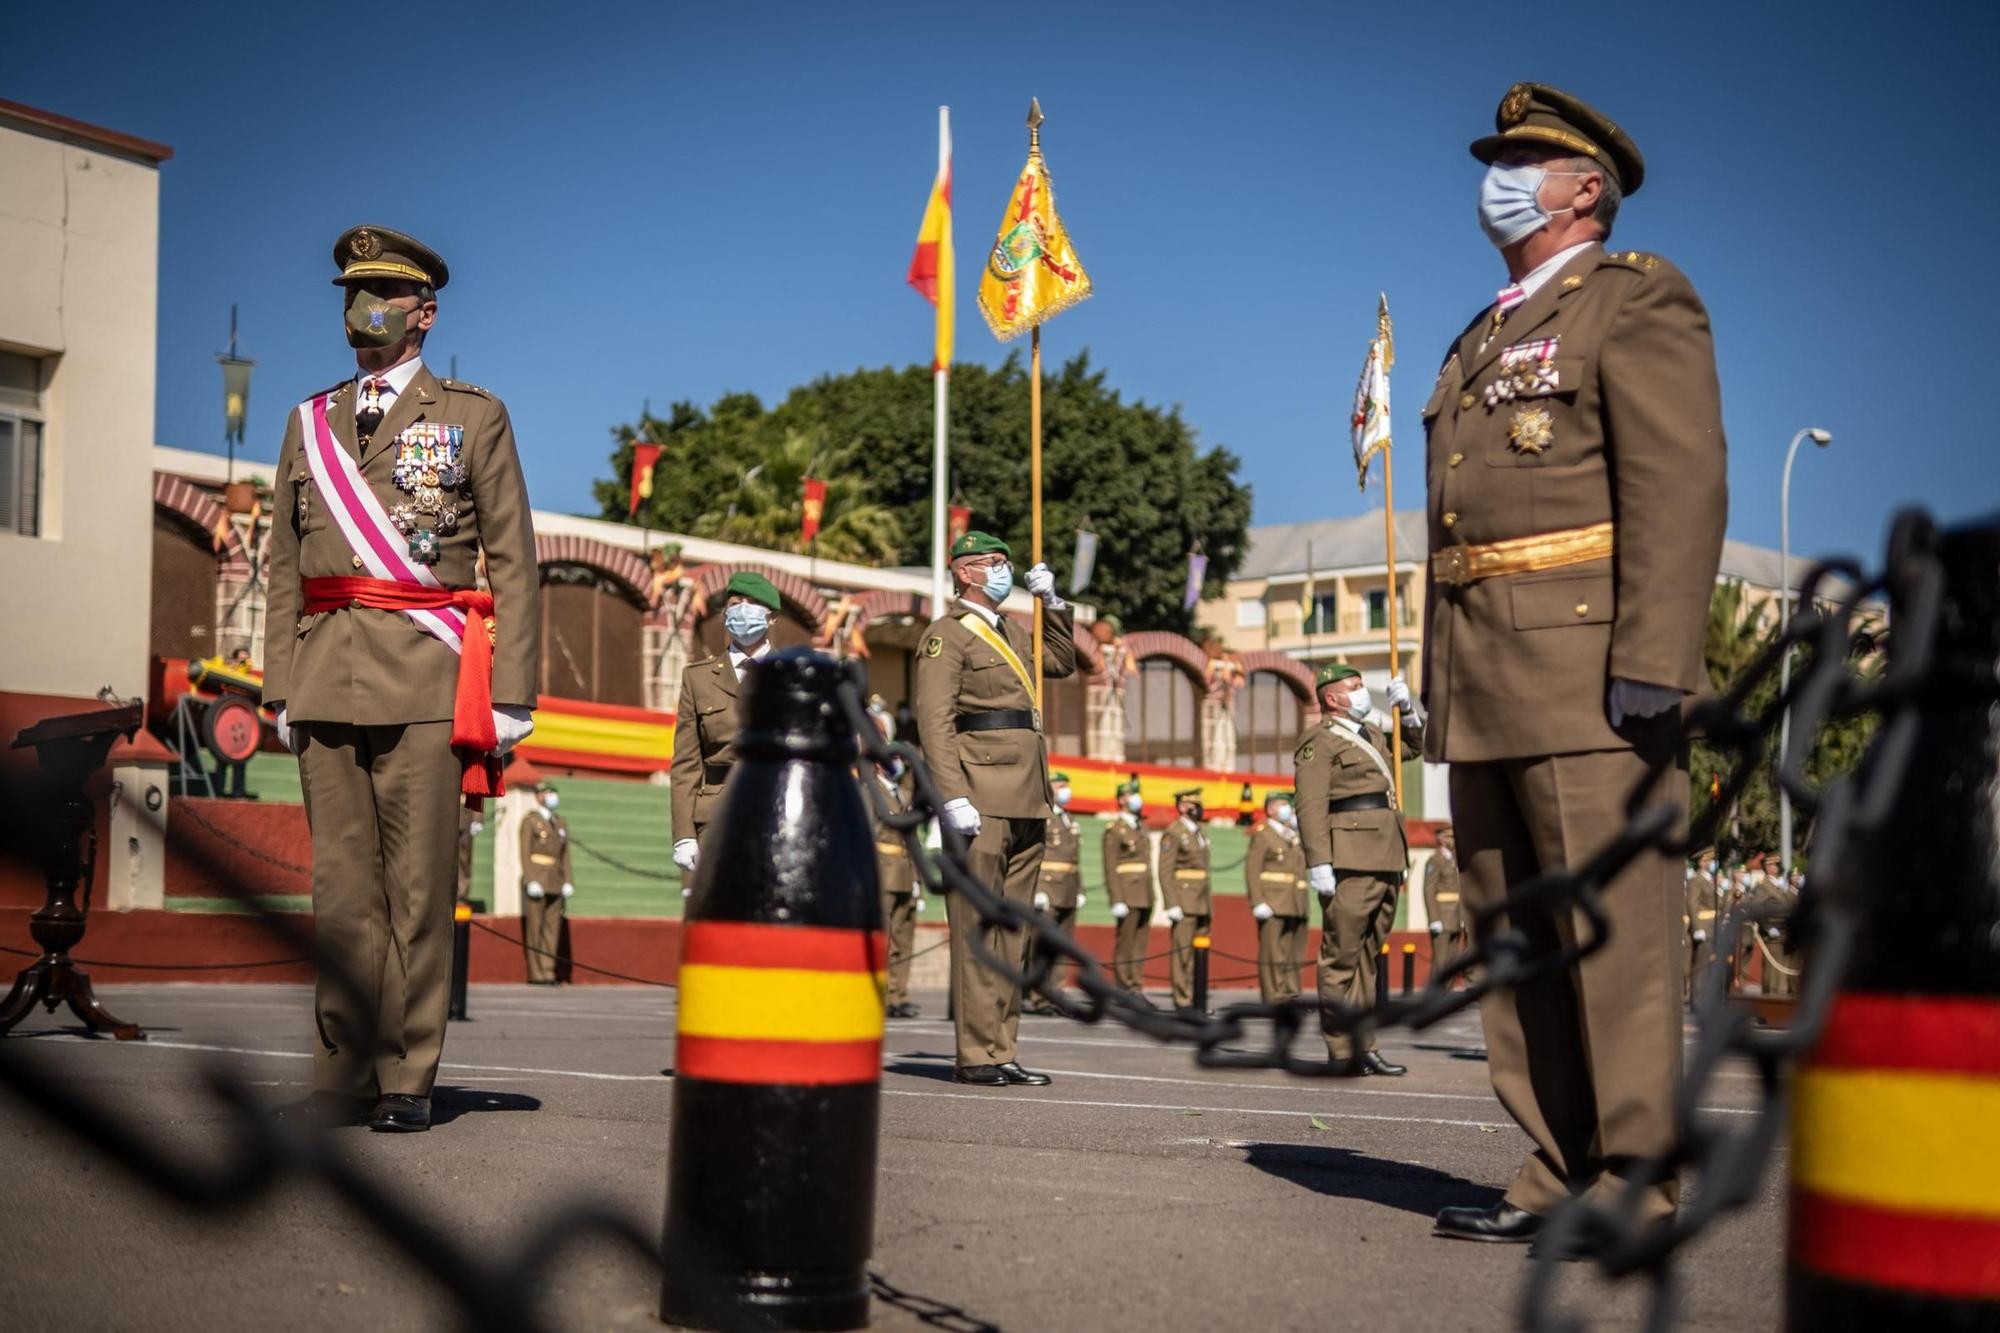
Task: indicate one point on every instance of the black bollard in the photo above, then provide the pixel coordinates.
(1382, 980)
(461, 957)
(1894, 1219)
(1200, 944)
(770, 1212)
(1409, 968)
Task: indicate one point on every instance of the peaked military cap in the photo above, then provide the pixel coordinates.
(376, 252)
(755, 586)
(980, 543)
(1332, 672)
(1535, 113)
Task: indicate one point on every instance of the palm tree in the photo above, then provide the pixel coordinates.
(766, 505)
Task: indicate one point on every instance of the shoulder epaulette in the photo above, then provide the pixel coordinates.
(331, 388)
(461, 386)
(1638, 259)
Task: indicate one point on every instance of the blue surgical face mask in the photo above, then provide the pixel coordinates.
(999, 582)
(747, 622)
(1510, 205)
(1062, 795)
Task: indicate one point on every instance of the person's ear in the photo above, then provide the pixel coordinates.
(426, 315)
(1589, 190)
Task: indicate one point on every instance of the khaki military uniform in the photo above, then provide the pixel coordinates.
(1588, 415)
(466, 821)
(1128, 879)
(1348, 820)
(1769, 941)
(1184, 883)
(704, 741)
(1274, 875)
(899, 894)
(1000, 763)
(544, 861)
(1062, 881)
(370, 699)
(1703, 923)
(1444, 910)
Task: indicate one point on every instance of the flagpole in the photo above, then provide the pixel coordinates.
(1035, 424)
(941, 381)
(1395, 652)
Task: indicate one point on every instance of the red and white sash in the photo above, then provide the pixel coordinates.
(349, 498)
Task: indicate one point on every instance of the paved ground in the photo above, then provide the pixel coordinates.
(1137, 1192)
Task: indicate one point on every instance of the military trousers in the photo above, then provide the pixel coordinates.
(1180, 969)
(1587, 1059)
(1280, 940)
(899, 922)
(1006, 856)
(382, 803)
(1064, 920)
(541, 933)
(1446, 946)
(1128, 949)
(1700, 954)
(1353, 924)
(1780, 968)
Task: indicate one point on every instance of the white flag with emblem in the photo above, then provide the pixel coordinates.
(1371, 397)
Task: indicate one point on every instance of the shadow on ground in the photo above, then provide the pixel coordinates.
(1346, 1174)
(449, 1103)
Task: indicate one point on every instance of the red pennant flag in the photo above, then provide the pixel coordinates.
(960, 522)
(644, 456)
(815, 506)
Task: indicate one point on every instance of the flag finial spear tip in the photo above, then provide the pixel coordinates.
(1034, 113)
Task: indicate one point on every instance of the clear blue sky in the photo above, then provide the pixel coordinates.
(671, 201)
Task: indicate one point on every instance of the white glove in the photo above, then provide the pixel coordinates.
(1399, 693)
(535, 892)
(1262, 911)
(1119, 911)
(1437, 927)
(476, 827)
(512, 725)
(920, 902)
(1174, 914)
(684, 854)
(284, 730)
(1041, 902)
(1634, 699)
(958, 812)
(1042, 583)
(1321, 878)
(1700, 936)
(1081, 899)
(569, 890)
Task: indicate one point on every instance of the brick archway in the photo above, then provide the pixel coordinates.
(883, 602)
(1292, 671)
(1177, 648)
(793, 590)
(198, 507)
(615, 562)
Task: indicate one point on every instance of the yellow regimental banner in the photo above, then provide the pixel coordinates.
(1032, 272)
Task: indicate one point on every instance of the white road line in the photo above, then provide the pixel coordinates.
(307, 1055)
(1033, 1100)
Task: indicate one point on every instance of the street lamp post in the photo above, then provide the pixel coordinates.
(1822, 438)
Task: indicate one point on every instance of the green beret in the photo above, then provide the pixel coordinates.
(1535, 113)
(376, 252)
(1128, 789)
(1194, 792)
(1059, 777)
(1274, 797)
(1333, 671)
(980, 543)
(752, 585)
(1116, 624)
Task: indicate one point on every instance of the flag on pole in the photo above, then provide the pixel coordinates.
(1033, 273)
(644, 457)
(1197, 569)
(931, 266)
(1371, 396)
(1306, 609)
(815, 506)
(961, 523)
(1085, 563)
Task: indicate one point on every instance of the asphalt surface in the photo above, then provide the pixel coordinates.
(1136, 1192)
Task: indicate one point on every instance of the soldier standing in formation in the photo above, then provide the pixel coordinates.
(705, 726)
(1355, 847)
(982, 740)
(1061, 892)
(900, 898)
(1577, 497)
(546, 886)
(1184, 884)
(1701, 918)
(469, 826)
(1274, 879)
(1767, 939)
(1128, 882)
(388, 486)
(1441, 902)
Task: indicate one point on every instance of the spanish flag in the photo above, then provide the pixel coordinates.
(1032, 274)
(931, 265)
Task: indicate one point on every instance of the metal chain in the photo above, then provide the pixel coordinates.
(664, 876)
(190, 812)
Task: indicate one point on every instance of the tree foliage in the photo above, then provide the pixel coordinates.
(1133, 470)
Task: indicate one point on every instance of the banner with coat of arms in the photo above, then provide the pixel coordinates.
(1032, 273)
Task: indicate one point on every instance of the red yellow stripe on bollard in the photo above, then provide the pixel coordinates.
(780, 1004)
(1895, 1182)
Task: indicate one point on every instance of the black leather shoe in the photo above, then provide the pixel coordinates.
(326, 1110)
(1020, 1077)
(904, 1009)
(1375, 1064)
(1502, 1223)
(400, 1113)
(984, 1076)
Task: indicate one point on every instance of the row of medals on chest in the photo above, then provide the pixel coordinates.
(430, 470)
(1526, 369)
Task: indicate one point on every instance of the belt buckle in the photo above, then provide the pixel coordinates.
(1036, 713)
(1453, 567)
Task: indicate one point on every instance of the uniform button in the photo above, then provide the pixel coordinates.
(1466, 400)
(357, 562)
(1583, 608)
(1456, 459)
(1450, 518)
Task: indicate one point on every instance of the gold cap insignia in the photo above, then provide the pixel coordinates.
(365, 245)
(1514, 106)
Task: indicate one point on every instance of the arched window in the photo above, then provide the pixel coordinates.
(592, 635)
(1269, 717)
(1163, 716)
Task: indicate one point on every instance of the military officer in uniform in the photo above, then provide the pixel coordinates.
(1061, 892)
(1128, 883)
(388, 487)
(546, 886)
(705, 725)
(1184, 884)
(1356, 850)
(1767, 939)
(1274, 880)
(1577, 498)
(1441, 902)
(1701, 917)
(898, 883)
(982, 738)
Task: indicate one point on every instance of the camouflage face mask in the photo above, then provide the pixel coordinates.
(372, 321)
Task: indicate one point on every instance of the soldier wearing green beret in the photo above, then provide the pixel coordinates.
(1355, 847)
(1186, 890)
(1128, 881)
(1274, 881)
(1578, 493)
(392, 487)
(546, 884)
(1060, 893)
(705, 724)
(982, 738)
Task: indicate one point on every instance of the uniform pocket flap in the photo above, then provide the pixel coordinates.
(1582, 599)
(986, 755)
(1362, 821)
(1438, 396)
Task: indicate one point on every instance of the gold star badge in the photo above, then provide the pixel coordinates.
(1531, 430)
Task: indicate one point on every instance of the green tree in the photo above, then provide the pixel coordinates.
(1133, 469)
(766, 506)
